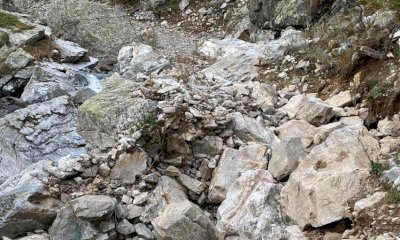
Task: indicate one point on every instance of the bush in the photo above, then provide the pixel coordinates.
(393, 196)
(379, 168)
(10, 21)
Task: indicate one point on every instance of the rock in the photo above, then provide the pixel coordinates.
(104, 170)
(68, 226)
(282, 14)
(125, 228)
(25, 194)
(315, 112)
(231, 164)
(369, 201)
(249, 129)
(10, 104)
(342, 99)
(130, 166)
(285, 157)
(133, 211)
(4, 38)
(28, 36)
(294, 232)
(265, 95)
(251, 209)
(390, 175)
(210, 145)
(294, 104)
(191, 184)
(184, 220)
(40, 131)
(93, 207)
(183, 4)
(65, 167)
(143, 231)
(318, 191)
(18, 59)
(139, 58)
(297, 128)
(70, 52)
(390, 127)
(323, 132)
(113, 110)
(169, 191)
(352, 121)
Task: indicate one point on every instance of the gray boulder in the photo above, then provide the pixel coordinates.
(10, 104)
(40, 131)
(18, 59)
(184, 220)
(315, 112)
(251, 209)
(279, 14)
(297, 128)
(68, 227)
(70, 52)
(318, 191)
(231, 164)
(93, 207)
(25, 195)
(285, 157)
(120, 106)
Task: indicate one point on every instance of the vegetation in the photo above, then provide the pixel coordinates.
(10, 21)
(379, 168)
(374, 5)
(393, 196)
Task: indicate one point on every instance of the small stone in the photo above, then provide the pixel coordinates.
(104, 170)
(133, 211)
(143, 231)
(191, 184)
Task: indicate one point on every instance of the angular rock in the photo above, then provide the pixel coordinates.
(10, 104)
(294, 232)
(210, 145)
(390, 127)
(191, 184)
(318, 191)
(40, 131)
(297, 128)
(113, 110)
(93, 207)
(294, 104)
(285, 157)
(265, 95)
(125, 227)
(24, 195)
(68, 226)
(249, 129)
(143, 231)
(323, 132)
(342, 99)
(369, 201)
(65, 167)
(133, 211)
(18, 59)
(251, 209)
(130, 166)
(70, 52)
(315, 112)
(184, 220)
(231, 164)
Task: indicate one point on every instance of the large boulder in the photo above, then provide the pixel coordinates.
(120, 106)
(68, 226)
(184, 220)
(25, 203)
(70, 52)
(251, 209)
(318, 191)
(231, 164)
(279, 14)
(39, 131)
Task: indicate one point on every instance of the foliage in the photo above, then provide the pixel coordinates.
(374, 5)
(393, 196)
(379, 168)
(10, 21)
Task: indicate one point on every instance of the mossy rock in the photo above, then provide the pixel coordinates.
(115, 109)
(4, 38)
(10, 21)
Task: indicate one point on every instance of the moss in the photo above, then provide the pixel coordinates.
(6, 70)
(379, 168)
(10, 21)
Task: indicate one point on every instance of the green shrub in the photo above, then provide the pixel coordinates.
(379, 168)
(10, 21)
(393, 196)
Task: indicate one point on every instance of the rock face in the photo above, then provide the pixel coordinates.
(278, 14)
(310, 197)
(112, 110)
(40, 131)
(25, 195)
(184, 220)
(251, 209)
(231, 163)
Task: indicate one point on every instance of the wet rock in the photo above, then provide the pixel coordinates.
(251, 209)
(309, 197)
(68, 226)
(184, 220)
(70, 52)
(130, 166)
(93, 207)
(25, 194)
(285, 157)
(40, 131)
(231, 164)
